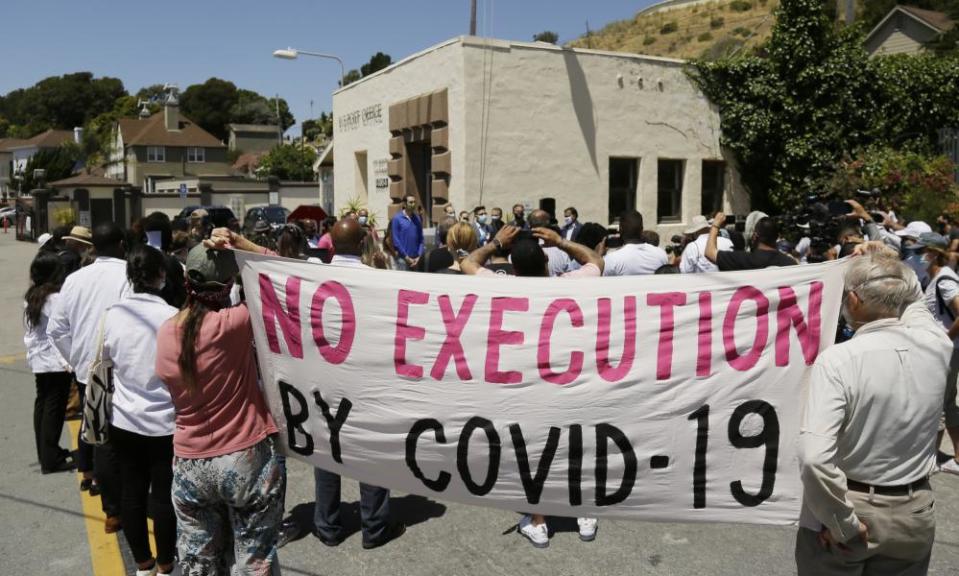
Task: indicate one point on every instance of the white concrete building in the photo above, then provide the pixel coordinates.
(477, 121)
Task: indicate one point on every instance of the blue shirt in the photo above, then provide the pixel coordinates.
(407, 235)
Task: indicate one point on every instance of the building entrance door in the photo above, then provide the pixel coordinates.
(420, 154)
(101, 211)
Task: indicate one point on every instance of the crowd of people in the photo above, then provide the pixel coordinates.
(191, 440)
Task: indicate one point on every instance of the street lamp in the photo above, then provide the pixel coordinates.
(293, 54)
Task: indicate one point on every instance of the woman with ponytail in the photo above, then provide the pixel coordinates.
(227, 482)
(141, 428)
(51, 371)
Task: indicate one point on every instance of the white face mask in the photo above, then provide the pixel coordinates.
(568, 219)
(362, 220)
(483, 218)
(495, 218)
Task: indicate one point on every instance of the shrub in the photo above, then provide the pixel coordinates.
(669, 28)
(717, 22)
(704, 37)
(740, 6)
(741, 31)
(648, 40)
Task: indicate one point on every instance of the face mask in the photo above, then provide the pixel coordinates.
(918, 264)
(162, 285)
(495, 218)
(362, 220)
(483, 219)
(451, 214)
(568, 220)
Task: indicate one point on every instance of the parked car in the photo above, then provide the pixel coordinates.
(274, 214)
(219, 216)
(9, 215)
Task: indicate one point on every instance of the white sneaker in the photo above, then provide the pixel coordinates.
(587, 529)
(538, 535)
(150, 572)
(950, 466)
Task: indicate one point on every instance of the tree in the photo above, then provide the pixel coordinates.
(288, 162)
(209, 105)
(58, 163)
(252, 108)
(377, 62)
(61, 102)
(351, 77)
(312, 129)
(546, 36)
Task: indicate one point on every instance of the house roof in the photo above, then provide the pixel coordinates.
(937, 21)
(271, 129)
(10, 143)
(86, 180)
(152, 132)
(48, 139)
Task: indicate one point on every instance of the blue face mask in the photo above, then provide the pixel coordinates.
(483, 219)
(362, 220)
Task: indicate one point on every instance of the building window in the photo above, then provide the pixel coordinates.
(194, 154)
(714, 185)
(623, 180)
(156, 154)
(670, 191)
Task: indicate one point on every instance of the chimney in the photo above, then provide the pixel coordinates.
(171, 115)
(78, 135)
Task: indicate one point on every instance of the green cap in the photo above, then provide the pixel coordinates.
(208, 268)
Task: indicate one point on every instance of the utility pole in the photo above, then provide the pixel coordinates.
(472, 17)
(279, 123)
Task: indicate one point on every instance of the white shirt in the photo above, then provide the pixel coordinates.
(948, 282)
(694, 255)
(42, 355)
(559, 260)
(871, 414)
(141, 401)
(75, 320)
(635, 259)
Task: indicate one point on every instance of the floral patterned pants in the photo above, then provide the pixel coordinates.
(228, 511)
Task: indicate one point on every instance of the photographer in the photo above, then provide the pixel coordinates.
(763, 252)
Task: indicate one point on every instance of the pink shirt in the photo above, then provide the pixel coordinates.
(326, 242)
(227, 413)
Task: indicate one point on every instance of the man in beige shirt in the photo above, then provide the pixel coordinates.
(867, 441)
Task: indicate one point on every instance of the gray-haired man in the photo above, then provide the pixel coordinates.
(868, 429)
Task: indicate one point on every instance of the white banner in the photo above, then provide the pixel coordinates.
(671, 398)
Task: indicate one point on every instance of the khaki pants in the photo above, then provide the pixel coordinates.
(901, 532)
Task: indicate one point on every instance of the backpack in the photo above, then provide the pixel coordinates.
(98, 399)
(940, 301)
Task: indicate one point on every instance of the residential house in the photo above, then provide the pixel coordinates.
(907, 30)
(163, 146)
(15, 154)
(253, 138)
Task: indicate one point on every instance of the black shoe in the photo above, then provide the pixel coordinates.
(289, 531)
(331, 542)
(61, 466)
(392, 533)
(86, 484)
(94, 489)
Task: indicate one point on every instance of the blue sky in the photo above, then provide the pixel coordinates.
(146, 42)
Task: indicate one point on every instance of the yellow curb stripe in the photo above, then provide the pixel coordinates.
(104, 548)
(11, 359)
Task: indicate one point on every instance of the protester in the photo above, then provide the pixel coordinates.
(449, 211)
(571, 225)
(942, 300)
(141, 429)
(291, 242)
(559, 260)
(363, 217)
(227, 483)
(440, 257)
(763, 252)
(179, 247)
(76, 248)
(50, 371)
(635, 256)
(263, 235)
(460, 241)
(481, 225)
(496, 220)
(868, 429)
(519, 217)
(374, 501)
(310, 233)
(199, 225)
(693, 257)
(159, 232)
(407, 235)
(530, 260)
(74, 328)
(326, 242)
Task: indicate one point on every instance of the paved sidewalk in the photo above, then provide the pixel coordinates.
(44, 533)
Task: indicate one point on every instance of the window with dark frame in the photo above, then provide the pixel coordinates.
(669, 187)
(195, 154)
(623, 182)
(713, 187)
(156, 154)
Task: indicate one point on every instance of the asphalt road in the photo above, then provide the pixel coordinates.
(44, 529)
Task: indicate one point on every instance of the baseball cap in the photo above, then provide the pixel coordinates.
(914, 229)
(933, 240)
(209, 268)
